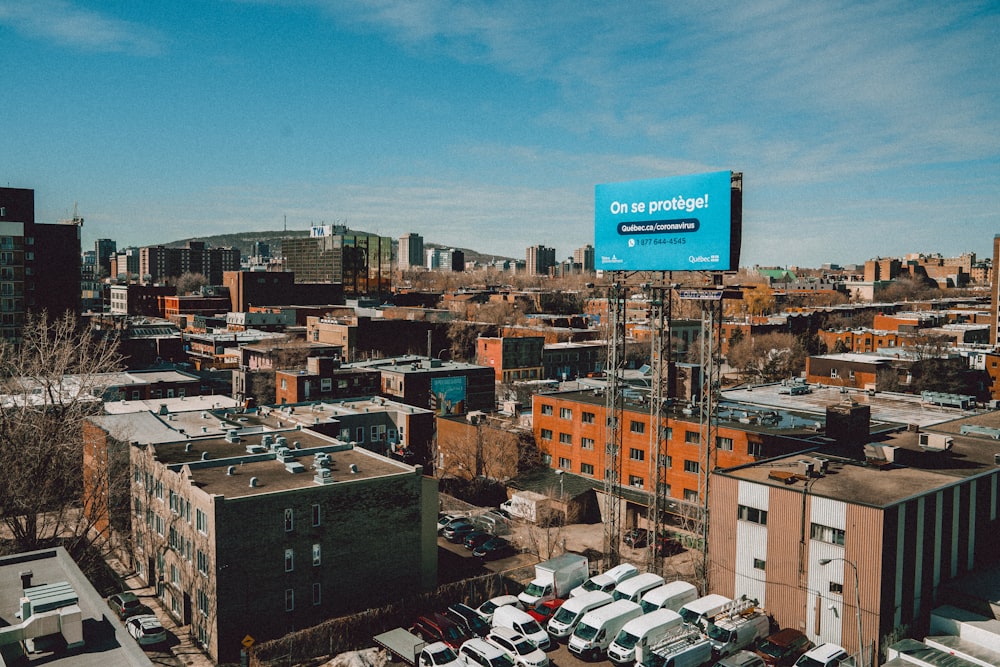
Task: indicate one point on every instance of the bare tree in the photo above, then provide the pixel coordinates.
(50, 381)
(189, 282)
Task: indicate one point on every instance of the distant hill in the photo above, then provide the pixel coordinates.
(245, 240)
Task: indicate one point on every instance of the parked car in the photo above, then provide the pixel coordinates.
(146, 629)
(741, 659)
(481, 653)
(543, 611)
(493, 549)
(784, 647)
(668, 546)
(127, 605)
(469, 618)
(444, 519)
(457, 530)
(440, 628)
(487, 608)
(637, 538)
(475, 538)
(525, 653)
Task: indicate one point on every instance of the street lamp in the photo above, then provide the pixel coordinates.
(857, 604)
(560, 473)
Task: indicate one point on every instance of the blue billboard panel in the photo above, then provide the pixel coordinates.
(683, 223)
(448, 395)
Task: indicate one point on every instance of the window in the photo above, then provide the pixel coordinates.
(201, 521)
(158, 520)
(725, 444)
(586, 468)
(565, 439)
(565, 464)
(360, 431)
(826, 534)
(158, 490)
(758, 564)
(692, 437)
(289, 560)
(316, 512)
(833, 372)
(175, 576)
(666, 461)
(587, 417)
(665, 489)
(751, 514)
(317, 594)
(690, 495)
(317, 555)
(755, 449)
(691, 466)
(637, 454)
(202, 602)
(546, 434)
(637, 427)
(289, 520)
(636, 481)
(202, 558)
(374, 434)
(289, 599)
(586, 443)
(668, 433)
(546, 409)
(565, 413)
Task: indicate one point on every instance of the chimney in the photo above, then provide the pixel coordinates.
(25, 579)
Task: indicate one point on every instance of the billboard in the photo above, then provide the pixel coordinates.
(683, 223)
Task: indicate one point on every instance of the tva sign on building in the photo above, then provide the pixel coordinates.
(683, 223)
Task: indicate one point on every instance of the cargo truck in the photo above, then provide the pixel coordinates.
(413, 650)
(555, 578)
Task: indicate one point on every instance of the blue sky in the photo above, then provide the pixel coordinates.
(863, 129)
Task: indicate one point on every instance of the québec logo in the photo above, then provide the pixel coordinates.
(702, 259)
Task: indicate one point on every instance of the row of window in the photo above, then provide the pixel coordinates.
(691, 437)
(317, 517)
(317, 597)
(317, 557)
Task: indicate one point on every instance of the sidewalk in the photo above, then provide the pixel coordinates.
(181, 649)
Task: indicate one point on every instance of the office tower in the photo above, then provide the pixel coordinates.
(411, 251)
(539, 259)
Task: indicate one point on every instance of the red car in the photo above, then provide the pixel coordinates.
(543, 611)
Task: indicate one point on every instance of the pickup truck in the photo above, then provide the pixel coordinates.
(413, 650)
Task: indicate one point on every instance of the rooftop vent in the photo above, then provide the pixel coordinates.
(323, 476)
(295, 467)
(187, 447)
(253, 482)
(232, 435)
(267, 440)
(354, 468)
(204, 456)
(255, 449)
(231, 470)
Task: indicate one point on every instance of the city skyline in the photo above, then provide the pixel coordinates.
(861, 130)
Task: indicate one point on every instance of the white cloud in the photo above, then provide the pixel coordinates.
(67, 25)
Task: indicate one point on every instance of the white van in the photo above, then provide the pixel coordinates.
(697, 612)
(825, 655)
(598, 628)
(606, 581)
(518, 620)
(671, 596)
(641, 632)
(633, 588)
(564, 621)
(732, 633)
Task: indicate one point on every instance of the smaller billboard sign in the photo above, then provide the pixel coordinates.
(683, 223)
(448, 395)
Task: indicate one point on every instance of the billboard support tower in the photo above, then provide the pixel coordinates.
(614, 409)
(661, 357)
(708, 418)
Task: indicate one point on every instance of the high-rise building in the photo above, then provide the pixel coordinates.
(411, 251)
(361, 261)
(103, 251)
(158, 264)
(39, 263)
(539, 259)
(584, 257)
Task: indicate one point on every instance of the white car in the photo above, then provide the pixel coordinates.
(487, 608)
(146, 629)
(524, 652)
(438, 654)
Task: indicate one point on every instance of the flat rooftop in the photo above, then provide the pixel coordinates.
(221, 467)
(913, 472)
(885, 406)
(106, 643)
